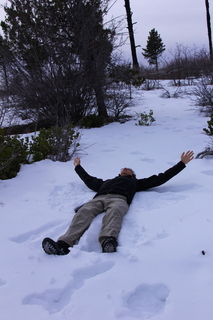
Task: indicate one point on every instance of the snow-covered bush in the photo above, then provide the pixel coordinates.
(145, 119)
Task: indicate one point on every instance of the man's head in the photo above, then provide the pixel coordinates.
(127, 172)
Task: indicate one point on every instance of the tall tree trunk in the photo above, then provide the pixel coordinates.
(209, 29)
(131, 35)
(102, 110)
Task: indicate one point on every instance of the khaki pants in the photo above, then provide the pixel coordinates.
(115, 207)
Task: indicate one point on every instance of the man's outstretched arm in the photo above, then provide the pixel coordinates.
(187, 156)
(91, 182)
(157, 180)
(77, 161)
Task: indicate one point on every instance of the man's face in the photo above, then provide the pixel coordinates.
(126, 172)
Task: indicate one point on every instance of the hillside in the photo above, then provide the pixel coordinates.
(159, 270)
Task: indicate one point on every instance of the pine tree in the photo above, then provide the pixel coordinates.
(154, 48)
(59, 53)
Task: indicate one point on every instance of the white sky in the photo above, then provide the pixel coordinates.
(177, 21)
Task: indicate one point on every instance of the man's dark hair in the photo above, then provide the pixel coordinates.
(133, 173)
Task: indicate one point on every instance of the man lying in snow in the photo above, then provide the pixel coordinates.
(113, 196)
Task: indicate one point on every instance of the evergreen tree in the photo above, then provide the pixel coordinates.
(154, 48)
(59, 51)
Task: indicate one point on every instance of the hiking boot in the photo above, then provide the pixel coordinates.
(51, 247)
(109, 245)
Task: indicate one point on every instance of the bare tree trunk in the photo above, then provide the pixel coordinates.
(131, 35)
(208, 18)
(102, 111)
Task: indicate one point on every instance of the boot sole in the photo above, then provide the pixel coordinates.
(50, 247)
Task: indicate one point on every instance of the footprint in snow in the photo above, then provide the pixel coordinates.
(208, 172)
(54, 300)
(137, 153)
(2, 282)
(148, 160)
(145, 301)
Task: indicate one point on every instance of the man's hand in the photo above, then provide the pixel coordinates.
(76, 161)
(186, 157)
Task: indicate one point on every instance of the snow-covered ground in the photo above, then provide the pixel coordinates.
(159, 270)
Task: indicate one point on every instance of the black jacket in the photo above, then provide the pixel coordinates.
(126, 185)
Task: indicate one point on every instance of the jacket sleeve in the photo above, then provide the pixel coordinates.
(157, 180)
(91, 182)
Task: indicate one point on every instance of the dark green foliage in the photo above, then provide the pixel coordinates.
(92, 121)
(54, 144)
(209, 131)
(154, 48)
(13, 152)
(146, 119)
(55, 57)
(124, 73)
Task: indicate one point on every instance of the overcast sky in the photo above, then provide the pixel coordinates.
(177, 21)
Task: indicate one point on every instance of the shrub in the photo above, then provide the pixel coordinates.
(146, 119)
(54, 144)
(124, 73)
(209, 131)
(92, 121)
(118, 103)
(203, 92)
(150, 84)
(13, 152)
(167, 94)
